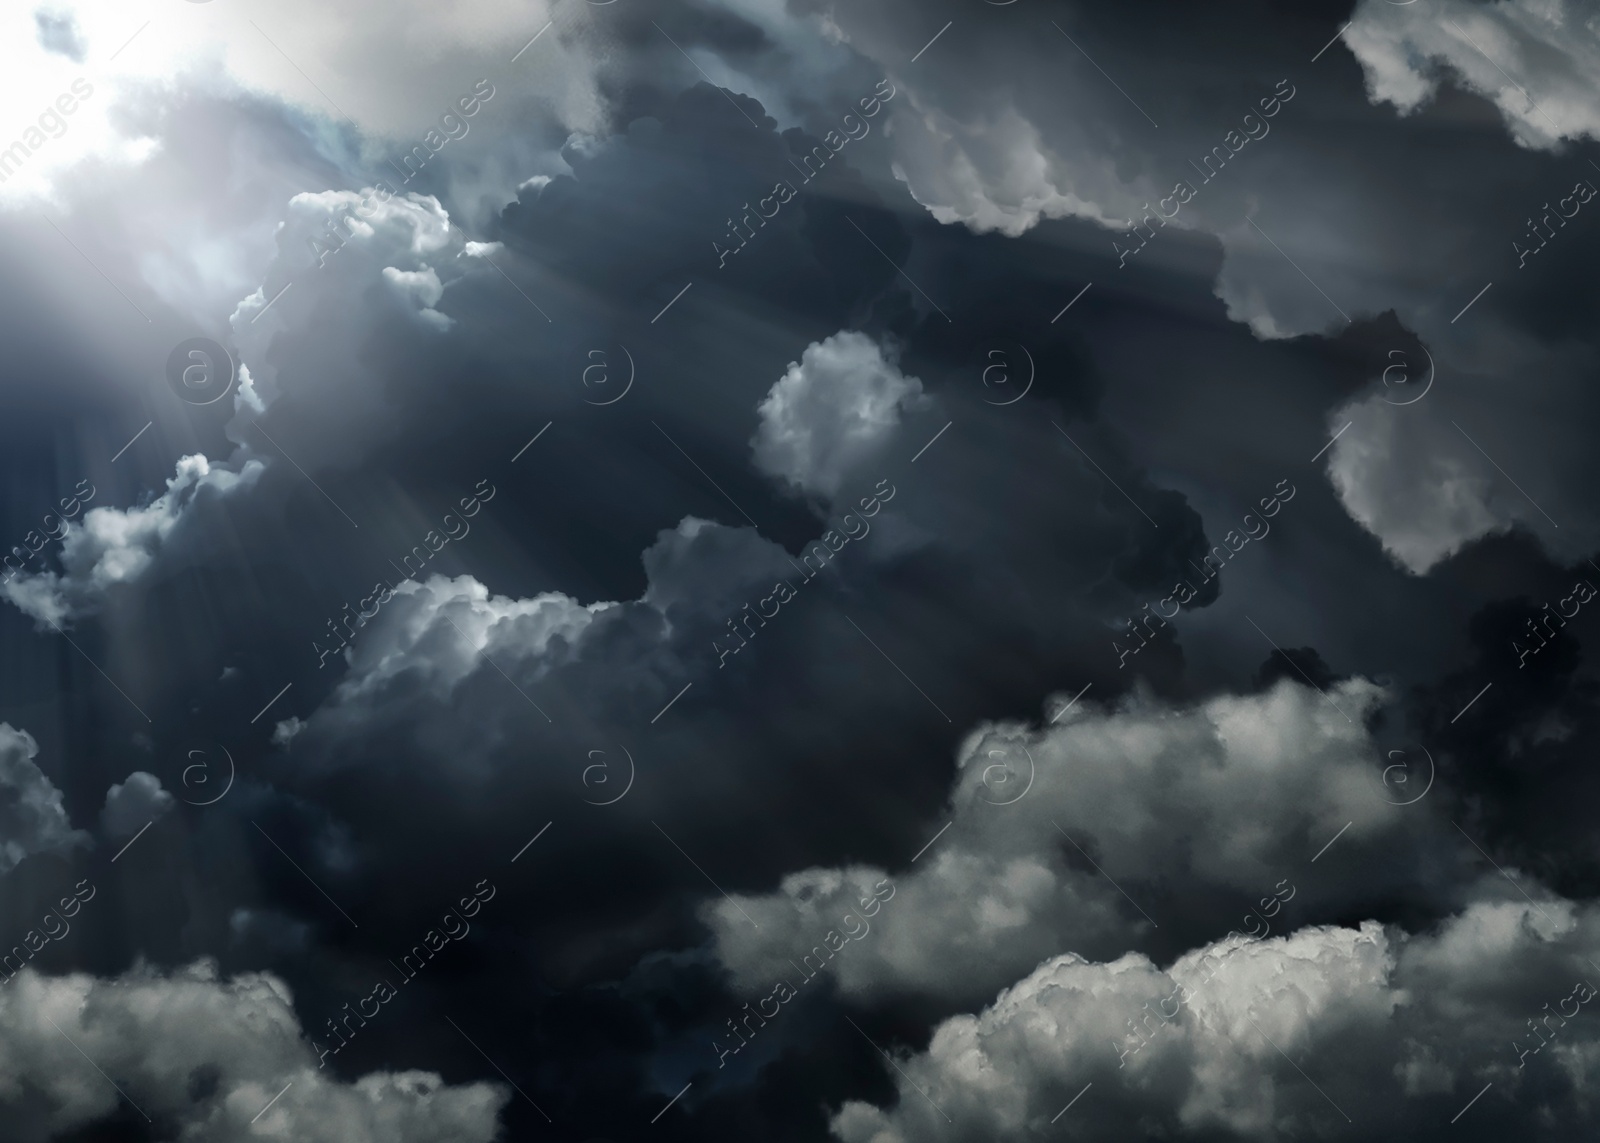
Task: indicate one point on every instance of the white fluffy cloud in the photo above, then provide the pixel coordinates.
(32, 818)
(1394, 1032)
(112, 546)
(1534, 59)
(362, 259)
(831, 412)
(206, 1055)
(1231, 795)
(133, 803)
(437, 631)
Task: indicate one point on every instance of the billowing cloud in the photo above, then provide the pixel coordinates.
(1419, 488)
(1324, 1031)
(1051, 826)
(206, 1055)
(1535, 59)
(133, 804)
(32, 817)
(941, 370)
(442, 627)
(832, 412)
(114, 546)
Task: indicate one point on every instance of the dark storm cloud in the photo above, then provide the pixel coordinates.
(1353, 210)
(573, 624)
(1518, 761)
(937, 549)
(1377, 1019)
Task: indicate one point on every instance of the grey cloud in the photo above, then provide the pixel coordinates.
(1199, 814)
(133, 804)
(1280, 205)
(831, 413)
(1395, 1034)
(113, 546)
(1534, 61)
(207, 1055)
(32, 817)
(58, 32)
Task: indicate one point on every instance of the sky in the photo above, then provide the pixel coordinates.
(613, 513)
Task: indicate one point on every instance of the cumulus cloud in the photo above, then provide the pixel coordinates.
(1392, 1033)
(113, 546)
(363, 266)
(206, 1055)
(1534, 59)
(987, 146)
(32, 817)
(1221, 797)
(405, 239)
(445, 624)
(995, 156)
(1418, 487)
(831, 412)
(992, 169)
(134, 803)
